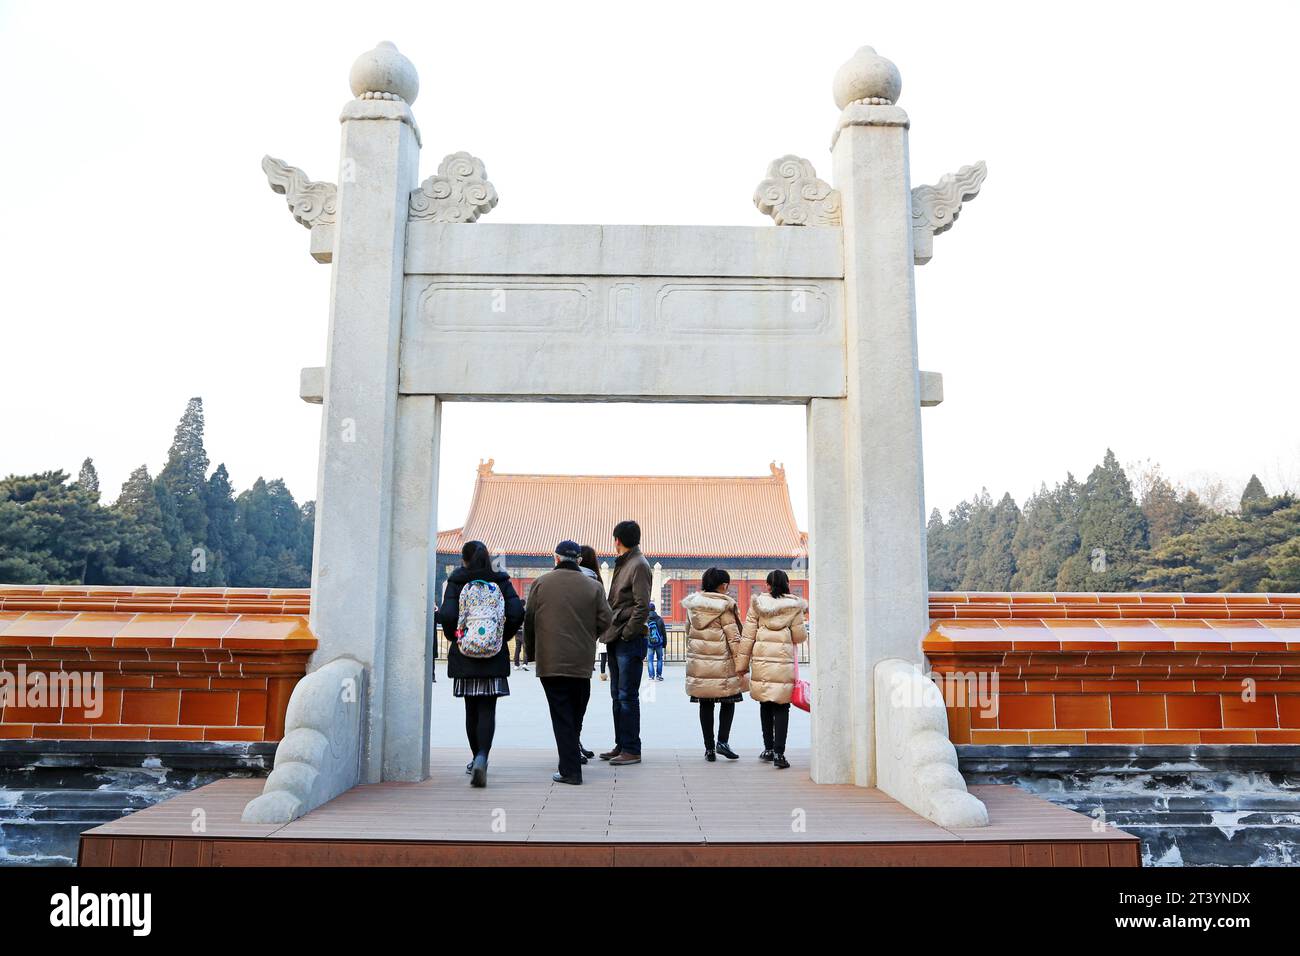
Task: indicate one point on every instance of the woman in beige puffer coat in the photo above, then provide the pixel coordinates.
(773, 626)
(711, 648)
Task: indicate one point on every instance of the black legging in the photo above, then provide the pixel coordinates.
(480, 723)
(726, 711)
(775, 719)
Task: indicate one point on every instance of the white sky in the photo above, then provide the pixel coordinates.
(1126, 278)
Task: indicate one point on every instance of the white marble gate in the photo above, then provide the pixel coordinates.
(429, 305)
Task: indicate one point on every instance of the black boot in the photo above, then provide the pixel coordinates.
(709, 755)
(725, 749)
(585, 752)
(765, 755)
(779, 761)
(478, 775)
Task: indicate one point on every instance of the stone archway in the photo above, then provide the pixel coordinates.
(428, 305)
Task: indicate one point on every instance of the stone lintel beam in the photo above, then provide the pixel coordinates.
(311, 385)
(322, 242)
(931, 388)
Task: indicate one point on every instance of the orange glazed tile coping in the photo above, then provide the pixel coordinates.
(982, 622)
(142, 618)
(246, 632)
(1099, 606)
(60, 597)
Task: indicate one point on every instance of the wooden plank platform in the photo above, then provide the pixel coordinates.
(672, 809)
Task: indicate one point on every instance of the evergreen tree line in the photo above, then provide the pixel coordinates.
(183, 527)
(1102, 536)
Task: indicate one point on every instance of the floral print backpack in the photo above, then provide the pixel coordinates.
(482, 621)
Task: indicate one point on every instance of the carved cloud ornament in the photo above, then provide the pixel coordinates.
(793, 195)
(311, 203)
(459, 192)
(935, 208)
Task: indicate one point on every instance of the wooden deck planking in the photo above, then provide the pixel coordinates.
(674, 809)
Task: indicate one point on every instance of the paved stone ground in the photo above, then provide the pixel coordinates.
(668, 719)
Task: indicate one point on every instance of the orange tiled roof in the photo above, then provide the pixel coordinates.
(679, 516)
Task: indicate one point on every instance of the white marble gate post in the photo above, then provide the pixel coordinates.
(836, 728)
(378, 168)
(887, 590)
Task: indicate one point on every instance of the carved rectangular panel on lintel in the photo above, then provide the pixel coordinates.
(522, 249)
(621, 338)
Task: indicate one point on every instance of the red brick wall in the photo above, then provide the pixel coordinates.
(220, 664)
(175, 664)
(1122, 668)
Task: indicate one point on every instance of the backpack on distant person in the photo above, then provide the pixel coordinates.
(656, 635)
(482, 622)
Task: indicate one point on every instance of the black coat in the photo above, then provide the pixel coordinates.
(498, 665)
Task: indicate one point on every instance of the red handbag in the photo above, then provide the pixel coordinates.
(801, 696)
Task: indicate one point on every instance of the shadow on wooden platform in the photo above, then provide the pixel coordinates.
(673, 809)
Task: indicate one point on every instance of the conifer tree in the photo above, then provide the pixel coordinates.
(88, 477)
(1253, 493)
(184, 479)
(978, 529)
(1168, 514)
(144, 555)
(222, 535)
(1112, 533)
(995, 565)
(1047, 536)
(269, 526)
(51, 531)
(307, 539)
(938, 554)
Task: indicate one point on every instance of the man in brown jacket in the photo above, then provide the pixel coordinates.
(566, 613)
(625, 641)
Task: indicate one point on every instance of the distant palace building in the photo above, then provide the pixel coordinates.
(688, 524)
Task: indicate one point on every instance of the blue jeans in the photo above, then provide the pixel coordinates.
(655, 663)
(625, 689)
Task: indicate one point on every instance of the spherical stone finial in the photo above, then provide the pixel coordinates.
(867, 78)
(384, 74)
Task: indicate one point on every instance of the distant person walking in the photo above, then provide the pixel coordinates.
(656, 638)
(480, 612)
(521, 659)
(591, 567)
(625, 641)
(773, 626)
(712, 648)
(566, 613)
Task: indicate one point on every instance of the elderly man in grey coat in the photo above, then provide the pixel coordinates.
(566, 613)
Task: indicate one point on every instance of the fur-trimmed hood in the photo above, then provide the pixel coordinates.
(705, 607)
(778, 612)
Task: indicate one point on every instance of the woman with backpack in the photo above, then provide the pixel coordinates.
(773, 626)
(480, 612)
(713, 674)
